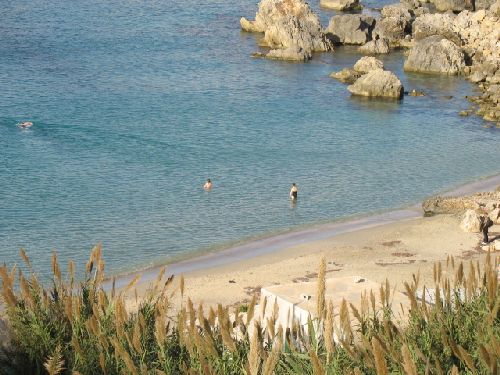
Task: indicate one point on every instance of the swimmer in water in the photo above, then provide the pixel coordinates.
(25, 124)
(208, 185)
(293, 192)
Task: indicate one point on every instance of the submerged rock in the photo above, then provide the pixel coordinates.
(346, 75)
(290, 54)
(340, 4)
(378, 46)
(350, 28)
(435, 54)
(290, 25)
(378, 83)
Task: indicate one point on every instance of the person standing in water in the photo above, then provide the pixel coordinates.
(293, 192)
(208, 185)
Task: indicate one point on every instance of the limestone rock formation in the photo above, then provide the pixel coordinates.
(453, 5)
(367, 64)
(458, 205)
(350, 28)
(435, 54)
(470, 221)
(289, 25)
(346, 75)
(378, 83)
(340, 4)
(397, 10)
(392, 29)
(374, 47)
(435, 24)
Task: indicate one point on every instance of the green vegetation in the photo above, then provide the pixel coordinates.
(79, 328)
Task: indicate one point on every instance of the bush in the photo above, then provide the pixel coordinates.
(79, 328)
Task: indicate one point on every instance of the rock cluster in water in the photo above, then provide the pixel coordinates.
(467, 43)
(291, 29)
(369, 78)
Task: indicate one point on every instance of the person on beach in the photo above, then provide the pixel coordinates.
(208, 185)
(485, 225)
(293, 192)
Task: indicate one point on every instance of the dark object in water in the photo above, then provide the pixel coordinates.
(25, 124)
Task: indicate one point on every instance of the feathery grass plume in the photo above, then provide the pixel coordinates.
(181, 286)
(411, 296)
(254, 352)
(25, 257)
(454, 370)
(272, 359)
(320, 302)
(251, 308)
(263, 306)
(55, 363)
(378, 353)
(317, 367)
(345, 322)
(328, 334)
(211, 317)
(467, 359)
(102, 363)
(56, 270)
(408, 364)
(191, 312)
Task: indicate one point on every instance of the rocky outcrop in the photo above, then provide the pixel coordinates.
(435, 24)
(378, 83)
(340, 4)
(367, 64)
(350, 29)
(471, 221)
(346, 75)
(435, 54)
(288, 25)
(392, 29)
(375, 47)
(453, 5)
(458, 205)
(398, 10)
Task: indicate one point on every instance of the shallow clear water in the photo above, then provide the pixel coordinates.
(135, 104)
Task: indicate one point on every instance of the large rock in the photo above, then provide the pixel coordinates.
(289, 25)
(340, 4)
(350, 29)
(373, 47)
(435, 54)
(398, 10)
(453, 5)
(435, 24)
(378, 83)
(470, 221)
(392, 29)
(367, 64)
(495, 8)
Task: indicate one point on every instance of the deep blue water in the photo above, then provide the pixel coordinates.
(136, 103)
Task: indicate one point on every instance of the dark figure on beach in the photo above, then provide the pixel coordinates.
(293, 192)
(485, 225)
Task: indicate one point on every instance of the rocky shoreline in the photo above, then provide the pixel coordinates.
(448, 37)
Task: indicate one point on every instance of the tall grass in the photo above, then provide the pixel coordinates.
(78, 327)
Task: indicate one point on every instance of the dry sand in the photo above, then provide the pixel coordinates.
(392, 251)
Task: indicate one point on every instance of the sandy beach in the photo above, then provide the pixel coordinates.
(392, 251)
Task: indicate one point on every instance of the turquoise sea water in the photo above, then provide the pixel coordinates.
(136, 103)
